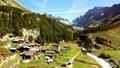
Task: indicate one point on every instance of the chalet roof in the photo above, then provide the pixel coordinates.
(49, 54)
(15, 40)
(22, 39)
(26, 46)
(34, 49)
(28, 53)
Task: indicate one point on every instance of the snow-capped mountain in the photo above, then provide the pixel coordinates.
(65, 21)
(60, 19)
(97, 16)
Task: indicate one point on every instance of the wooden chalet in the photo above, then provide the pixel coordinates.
(18, 41)
(43, 50)
(36, 50)
(50, 54)
(24, 48)
(28, 55)
(13, 49)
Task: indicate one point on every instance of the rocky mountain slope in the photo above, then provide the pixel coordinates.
(60, 19)
(97, 16)
(13, 3)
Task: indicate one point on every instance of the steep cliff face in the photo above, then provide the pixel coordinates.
(13, 3)
(101, 14)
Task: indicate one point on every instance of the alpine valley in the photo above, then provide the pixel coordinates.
(34, 40)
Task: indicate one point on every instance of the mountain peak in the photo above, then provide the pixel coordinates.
(13, 3)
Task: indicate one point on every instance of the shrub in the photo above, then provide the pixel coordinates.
(100, 40)
(30, 39)
(103, 55)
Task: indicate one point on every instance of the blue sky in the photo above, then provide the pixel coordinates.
(69, 9)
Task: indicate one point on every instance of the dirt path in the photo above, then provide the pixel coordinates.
(70, 62)
(101, 61)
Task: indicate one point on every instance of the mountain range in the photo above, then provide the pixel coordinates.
(97, 16)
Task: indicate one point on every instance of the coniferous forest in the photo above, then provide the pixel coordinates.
(12, 20)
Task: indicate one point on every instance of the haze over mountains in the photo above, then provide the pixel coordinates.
(97, 16)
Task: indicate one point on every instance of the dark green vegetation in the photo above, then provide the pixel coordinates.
(12, 20)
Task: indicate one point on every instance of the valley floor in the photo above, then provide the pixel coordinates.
(72, 58)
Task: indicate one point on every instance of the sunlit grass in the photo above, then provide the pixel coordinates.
(84, 61)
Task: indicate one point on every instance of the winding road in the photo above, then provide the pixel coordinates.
(101, 61)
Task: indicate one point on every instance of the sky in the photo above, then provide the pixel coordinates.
(68, 9)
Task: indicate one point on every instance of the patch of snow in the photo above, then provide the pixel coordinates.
(65, 22)
(91, 17)
(102, 14)
(78, 28)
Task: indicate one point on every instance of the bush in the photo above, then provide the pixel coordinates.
(100, 40)
(30, 39)
(96, 46)
(103, 55)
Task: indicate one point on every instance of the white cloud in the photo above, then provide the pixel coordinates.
(83, 10)
(40, 4)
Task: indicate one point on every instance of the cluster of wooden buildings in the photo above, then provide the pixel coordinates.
(31, 52)
(20, 41)
(28, 52)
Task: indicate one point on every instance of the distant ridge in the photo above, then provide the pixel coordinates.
(97, 16)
